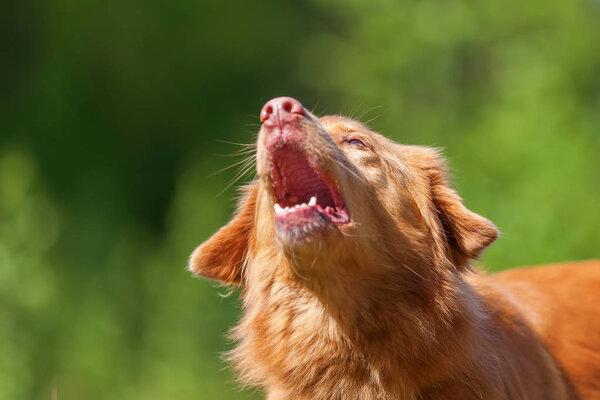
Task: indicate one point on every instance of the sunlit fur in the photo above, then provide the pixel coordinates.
(387, 307)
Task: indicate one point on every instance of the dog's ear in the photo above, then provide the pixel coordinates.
(466, 232)
(223, 255)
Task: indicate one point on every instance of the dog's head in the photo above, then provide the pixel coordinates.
(335, 199)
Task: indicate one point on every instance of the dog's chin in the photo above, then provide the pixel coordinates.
(306, 229)
(303, 224)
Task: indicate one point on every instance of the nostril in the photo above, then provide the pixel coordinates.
(281, 108)
(266, 112)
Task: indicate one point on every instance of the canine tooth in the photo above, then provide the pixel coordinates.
(313, 201)
(278, 209)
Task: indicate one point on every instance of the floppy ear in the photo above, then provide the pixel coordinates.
(467, 233)
(223, 255)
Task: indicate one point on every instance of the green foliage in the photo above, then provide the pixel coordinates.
(111, 121)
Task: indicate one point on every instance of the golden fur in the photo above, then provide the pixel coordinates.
(387, 306)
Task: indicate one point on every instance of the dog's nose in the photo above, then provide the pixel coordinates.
(280, 110)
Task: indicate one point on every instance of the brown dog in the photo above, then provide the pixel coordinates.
(353, 256)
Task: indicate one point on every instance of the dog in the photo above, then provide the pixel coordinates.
(352, 253)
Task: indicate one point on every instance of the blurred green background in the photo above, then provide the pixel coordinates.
(113, 116)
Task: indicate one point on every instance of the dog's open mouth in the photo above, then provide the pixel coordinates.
(306, 200)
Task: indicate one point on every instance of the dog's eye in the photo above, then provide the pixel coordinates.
(355, 142)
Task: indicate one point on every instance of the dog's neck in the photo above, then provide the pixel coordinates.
(379, 342)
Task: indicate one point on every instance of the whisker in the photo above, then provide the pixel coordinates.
(360, 236)
(245, 167)
(341, 164)
(233, 182)
(404, 265)
(312, 111)
(253, 145)
(373, 119)
(369, 111)
(352, 172)
(338, 162)
(241, 152)
(355, 110)
(240, 162)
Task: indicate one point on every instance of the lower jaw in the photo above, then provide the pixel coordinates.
(300, 233)
(304, 223)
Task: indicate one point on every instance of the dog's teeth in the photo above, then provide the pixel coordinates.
(278, 209)
(313, 201)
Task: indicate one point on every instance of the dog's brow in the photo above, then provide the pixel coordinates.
(345, 127)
